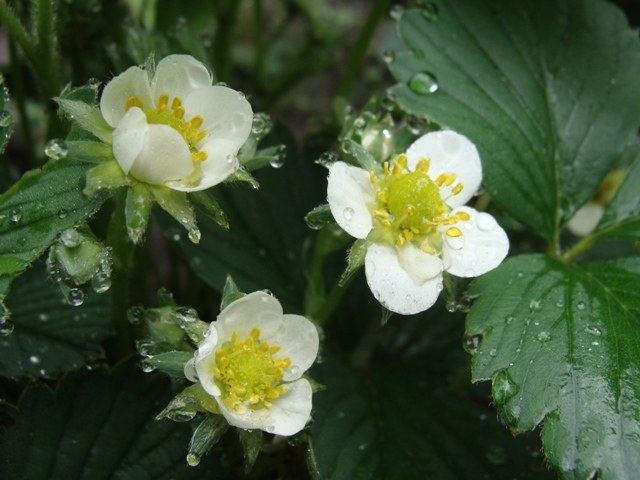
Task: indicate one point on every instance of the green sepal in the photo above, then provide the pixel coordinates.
(187, 319)
(89, 151)
(87, 117)
(385, 315)
(319, 217)
(166, 337)
(266, 157)
(358, 155)
(242, 175)
(79, 255)
(105, 176)
(137, 209)
(315, 385)
(176, 204)
(184, 406)
(251, 441)
(355, 260)
(165, 298)
(206, 436)
(230, 293)
(171, 363)
(208, 205)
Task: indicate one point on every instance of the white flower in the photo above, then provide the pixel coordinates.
(252, 361)
(413, 219)
(175, 129)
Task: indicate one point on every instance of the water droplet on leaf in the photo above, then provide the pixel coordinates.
(75, 297)
(503, 387)
(471, 343)
(5, 119)
(396, 12)
(278, 158)
(581, 305)
(544, 336)
(388, 56)
(423, 83)
(193, 460)
(56, 149)
(15, 215)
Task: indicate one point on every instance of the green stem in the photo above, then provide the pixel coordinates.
(352, 69)
(17, 32)
(223, 39)
(20, 100)
(257, 21)
(579, 248)
(122, 250)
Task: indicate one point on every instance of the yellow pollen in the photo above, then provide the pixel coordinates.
(372, 178)
(176, 103)
(133, 102)
(385, 167)
(199, 157)
(247, 373)
(426, 248)
(423, 165)
(457, 189)
(454, 232)
(196, 121)
(163, 101)
(450, 179)
(463, 216)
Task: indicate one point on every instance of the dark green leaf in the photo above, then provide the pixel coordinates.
(395, 423)
(622, 217)
(50, 336)
(251, 441)
(98, 426)
(264, 244)
(547, 91)
(38, 208)
(562, 346)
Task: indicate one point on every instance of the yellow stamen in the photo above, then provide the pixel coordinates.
(463, 216)
(457, 189)
(199, 157)
(372, 178)
(454, 232)
(133, 102)
(163, 101)
(423, 165)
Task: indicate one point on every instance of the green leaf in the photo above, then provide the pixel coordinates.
(390, 425)
(208, 205)
(51, 337)
(546, 90)
(205, 436)
(98, 425)
(251, 441)
(562, 346)
(622, 217)
(41, 205)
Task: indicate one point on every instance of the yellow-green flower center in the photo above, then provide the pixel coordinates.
(409, 206)
(248, 373)
(173, 116)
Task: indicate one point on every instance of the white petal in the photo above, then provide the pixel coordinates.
(226, 113)
(586, 219)
(220, 163)
(349, 193)
(257, 309)
(288, 415)
(482, 246)
(291, 411)
(165, 156)
(205, 360)
(299, 341)
(449, 152)
(419, 265)
(129, 138)
(133, 82)
(178, 75)
(393, 287)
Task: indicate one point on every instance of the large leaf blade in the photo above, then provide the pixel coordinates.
(98, 425)
(562, 345)
(548, 92)
(41, 205)
(51, 337)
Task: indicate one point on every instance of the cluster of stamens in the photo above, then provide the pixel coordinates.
(410, 207)
(174, 117)
(248, 374)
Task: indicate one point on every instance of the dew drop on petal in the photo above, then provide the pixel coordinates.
(485, 222)
(456, 243)
(347, 213)
(424, 83)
